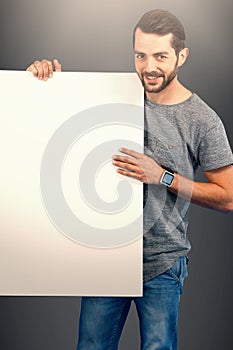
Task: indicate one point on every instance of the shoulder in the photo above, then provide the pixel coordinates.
(202, 112)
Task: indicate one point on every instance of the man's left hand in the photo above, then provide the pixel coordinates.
(138, 166)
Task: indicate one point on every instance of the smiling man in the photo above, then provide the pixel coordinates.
(181, 134)
(156, 69)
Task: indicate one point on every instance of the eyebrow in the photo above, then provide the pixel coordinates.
(162, 53)
(156, 53)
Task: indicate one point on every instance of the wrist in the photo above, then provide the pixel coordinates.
(167, 177)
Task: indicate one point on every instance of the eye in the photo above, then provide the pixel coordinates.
(161, 57)
(139, 56)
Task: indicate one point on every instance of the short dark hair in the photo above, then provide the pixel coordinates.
(163, 22)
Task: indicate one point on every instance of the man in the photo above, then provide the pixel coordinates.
(181, 133)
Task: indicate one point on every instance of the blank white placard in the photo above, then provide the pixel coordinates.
(69, 224)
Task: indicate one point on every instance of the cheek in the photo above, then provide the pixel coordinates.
(168, 68)
(138, 68)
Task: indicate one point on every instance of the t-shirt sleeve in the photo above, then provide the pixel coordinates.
(214, 149)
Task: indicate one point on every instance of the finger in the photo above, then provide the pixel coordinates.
(38, 66)
(33, 70)
(127, 166)
(57, 65)
(126, 160)
(130, 152)
(130, 174)
(45, 68)
(50, 69)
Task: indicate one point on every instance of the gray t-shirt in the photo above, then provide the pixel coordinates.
(179, 137)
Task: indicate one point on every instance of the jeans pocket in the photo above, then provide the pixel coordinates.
(176, 270)
(179, 271)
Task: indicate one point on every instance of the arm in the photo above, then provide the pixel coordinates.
(44, 69)
(216, 194)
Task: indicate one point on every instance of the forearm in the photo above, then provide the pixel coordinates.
(216, 194)
(209, 195)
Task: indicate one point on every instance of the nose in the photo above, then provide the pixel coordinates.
(150, 65)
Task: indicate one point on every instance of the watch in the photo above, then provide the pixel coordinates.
(167, 178)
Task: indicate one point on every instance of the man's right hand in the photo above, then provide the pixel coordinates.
(44, 69)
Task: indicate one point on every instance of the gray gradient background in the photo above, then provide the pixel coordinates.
(92, 35)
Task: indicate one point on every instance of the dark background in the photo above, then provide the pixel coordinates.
(95, 35)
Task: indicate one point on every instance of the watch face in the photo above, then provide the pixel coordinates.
(167, 179)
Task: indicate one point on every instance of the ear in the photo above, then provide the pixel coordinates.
(183, 54)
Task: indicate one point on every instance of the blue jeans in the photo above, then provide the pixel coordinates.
(102, 318)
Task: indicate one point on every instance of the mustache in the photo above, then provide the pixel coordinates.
(153, 74)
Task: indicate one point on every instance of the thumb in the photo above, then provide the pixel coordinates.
(57, 66)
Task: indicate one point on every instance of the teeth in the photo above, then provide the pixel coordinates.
(151, 77)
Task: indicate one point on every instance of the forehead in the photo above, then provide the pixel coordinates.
(147, 42)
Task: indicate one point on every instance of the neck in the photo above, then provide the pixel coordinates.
(174, 93)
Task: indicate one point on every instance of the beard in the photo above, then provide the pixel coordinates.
(166, 80)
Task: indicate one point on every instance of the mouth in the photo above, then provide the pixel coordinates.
(152, 79)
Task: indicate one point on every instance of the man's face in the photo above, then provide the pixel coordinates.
(155, 60)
